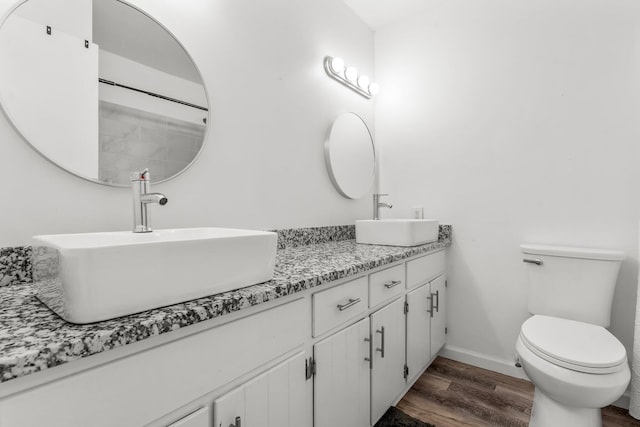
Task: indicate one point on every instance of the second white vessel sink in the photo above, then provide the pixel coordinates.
(90, 277)
(397, 232)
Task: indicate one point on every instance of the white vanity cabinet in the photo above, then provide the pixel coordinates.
(334, 356)
(365, 368)
(387, 373)
(276, 398)
(150, 386)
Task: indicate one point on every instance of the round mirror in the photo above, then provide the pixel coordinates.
(350, 156)
(101, 89)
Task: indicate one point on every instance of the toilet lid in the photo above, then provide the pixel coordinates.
(574, 345)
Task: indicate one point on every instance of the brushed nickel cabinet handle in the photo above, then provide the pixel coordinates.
(430, 298)
(351, 303)
(533, 261)
(392, 284)
(370, 358)
(381, 349)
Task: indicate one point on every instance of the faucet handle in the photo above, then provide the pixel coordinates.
(140, 176)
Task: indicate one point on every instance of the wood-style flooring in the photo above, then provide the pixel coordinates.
(454, 394)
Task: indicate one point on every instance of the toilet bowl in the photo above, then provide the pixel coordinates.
(576, 365)
(577, 368)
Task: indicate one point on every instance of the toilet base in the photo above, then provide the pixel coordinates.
(546, 412)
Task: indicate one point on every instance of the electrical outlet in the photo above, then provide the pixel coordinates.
(417, 212)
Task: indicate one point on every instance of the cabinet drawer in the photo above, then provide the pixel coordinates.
(337, 305)
(425, 268)
(386, 284)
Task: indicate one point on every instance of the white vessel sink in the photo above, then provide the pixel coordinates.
(91, 277)
(397, 232)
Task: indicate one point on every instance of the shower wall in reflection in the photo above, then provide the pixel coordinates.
(132, 139)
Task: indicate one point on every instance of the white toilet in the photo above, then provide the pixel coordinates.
(576, 365)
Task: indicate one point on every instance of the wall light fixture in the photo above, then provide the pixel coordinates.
(349, 77)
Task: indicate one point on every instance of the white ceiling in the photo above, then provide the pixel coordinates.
(380, 13)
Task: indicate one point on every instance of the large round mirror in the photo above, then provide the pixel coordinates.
(101, 89)
(350, 156)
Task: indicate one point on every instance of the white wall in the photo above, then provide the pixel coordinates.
(515, 121)
(271, 108)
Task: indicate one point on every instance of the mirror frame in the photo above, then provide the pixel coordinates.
(207, 130)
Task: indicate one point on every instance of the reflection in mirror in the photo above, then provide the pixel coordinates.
(350, 156)
(101, 89)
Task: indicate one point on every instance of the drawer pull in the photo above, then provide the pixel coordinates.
(437, 305)
(533, 261)
(392, 284)
(351, 303)
(381, 349)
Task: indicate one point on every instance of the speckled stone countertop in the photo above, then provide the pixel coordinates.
(33, 338)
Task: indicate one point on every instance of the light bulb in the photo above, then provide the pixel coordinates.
(337, 65)
(363, 82)
(374, 88)
(351, 74)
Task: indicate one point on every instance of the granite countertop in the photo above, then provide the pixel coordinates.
(33, 338)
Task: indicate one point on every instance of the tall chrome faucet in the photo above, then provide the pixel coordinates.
(140, 183)
(377, 204)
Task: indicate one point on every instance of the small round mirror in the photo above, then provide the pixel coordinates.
(101, 89)
(350, 156)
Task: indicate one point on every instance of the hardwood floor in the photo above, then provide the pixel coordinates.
(454, 394)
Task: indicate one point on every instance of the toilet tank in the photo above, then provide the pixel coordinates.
(572, 283)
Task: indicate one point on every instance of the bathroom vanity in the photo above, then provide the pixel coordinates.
(340, 334)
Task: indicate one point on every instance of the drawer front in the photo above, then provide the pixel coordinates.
(386, 284)
(425, 269)
(337, 305)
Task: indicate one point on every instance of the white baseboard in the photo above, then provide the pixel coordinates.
(484, 361)
(506, 367)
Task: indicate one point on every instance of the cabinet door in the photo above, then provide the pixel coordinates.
(229, 408)
(387, 375)
(199, 418)
(277, 398)
(342, 380)
(438, 322)
(418, 330)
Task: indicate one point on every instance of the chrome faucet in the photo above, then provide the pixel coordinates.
(140, 183)
(377, 204)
